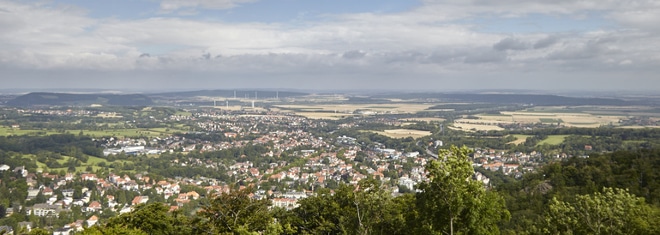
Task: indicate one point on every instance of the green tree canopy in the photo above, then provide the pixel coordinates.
(236, 212)
(452, 202)
(614, 211)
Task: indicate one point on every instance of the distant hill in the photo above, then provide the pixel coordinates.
(230, 93)
(63, 99)
(509, 99)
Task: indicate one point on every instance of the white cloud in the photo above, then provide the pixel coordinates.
(425, 42)
(173, 5)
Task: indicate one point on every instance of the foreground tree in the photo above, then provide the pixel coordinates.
(236, 212)
(452, 202)
(363, 209)
(615, 211)
(145, 219)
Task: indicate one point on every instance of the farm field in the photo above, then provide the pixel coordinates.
(403, 133)
(6, 131)
(423, 119)
(553, 140)
(519, 139)
(565, 119)
(324, 115)
(475, 127)
(579, 116)
(91, 162)
(351, 108)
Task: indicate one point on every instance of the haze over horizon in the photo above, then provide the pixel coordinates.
(330, 45)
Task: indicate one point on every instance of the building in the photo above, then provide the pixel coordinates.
(286, 203)
(6, 230)
(43, 210)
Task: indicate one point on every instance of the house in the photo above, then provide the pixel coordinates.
(230, 134)
(64, 231)
(6, 230)
(94, 206)
(43, 210)
(47, 191)
(125, 209)
(92, 221)
(194, 195)
(77, 226)
(25, 225)
(4, 167)
(32, 193)
(10, 211)
(21, 170)
(139, 200)
(68, 177)
(86, 177)
(286, 203)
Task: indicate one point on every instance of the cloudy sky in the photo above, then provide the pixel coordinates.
(331, 44)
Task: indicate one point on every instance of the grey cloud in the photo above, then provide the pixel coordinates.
(486, 56)
(354, 54)
(510, 44)
(445, 56)
(605, 45)
(145, 55)
(546, 42)
(587, 51)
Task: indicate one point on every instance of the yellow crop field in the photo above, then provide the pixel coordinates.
(520, 139)
(403, 133)
(475, 127)
(566, 119)
(423, 119)
(324, 115)
(365, 108)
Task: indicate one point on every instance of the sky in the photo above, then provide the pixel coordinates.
(425, 45)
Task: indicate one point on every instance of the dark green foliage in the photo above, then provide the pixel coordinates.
(451, 202)
(53, 99)
(64, 144)
(529, 199)
(148, 219)
(366, 209)
(235, 211)
(615, 211)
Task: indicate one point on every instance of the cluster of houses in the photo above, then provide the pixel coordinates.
(508, 163)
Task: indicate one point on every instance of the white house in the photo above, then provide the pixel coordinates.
(4, 167)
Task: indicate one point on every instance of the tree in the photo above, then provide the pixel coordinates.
(451, 201)
(112, 231)
(39, 231)
(149, 218)
(615, 211)
(236, 212)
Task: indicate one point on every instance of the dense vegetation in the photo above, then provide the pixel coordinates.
(51, 99)
(630, 176)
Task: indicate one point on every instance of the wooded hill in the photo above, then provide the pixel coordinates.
(67, 99)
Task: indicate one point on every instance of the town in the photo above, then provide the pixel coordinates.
(68, 168)
(289, 162)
